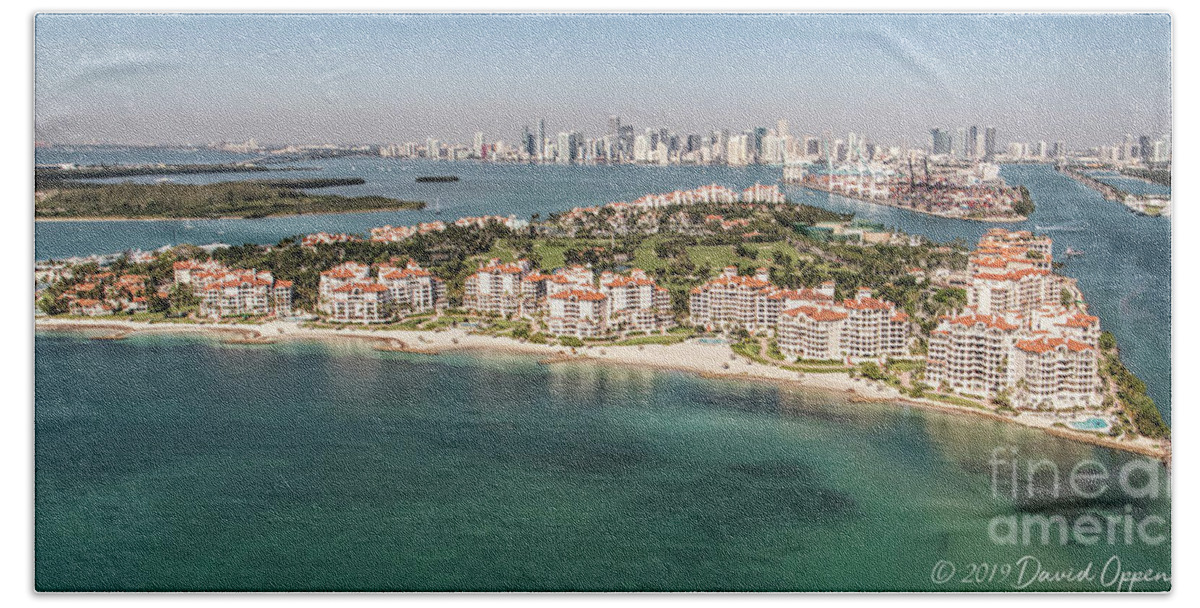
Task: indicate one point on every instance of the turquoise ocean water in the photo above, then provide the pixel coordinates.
(173, 463)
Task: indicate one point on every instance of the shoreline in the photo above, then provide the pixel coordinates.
(711, 361)
(989, 219)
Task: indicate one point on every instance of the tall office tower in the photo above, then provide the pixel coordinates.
(563, 149)
(812, 146)
(989, 143)
(757, 145)
(641, 148)
(541, 140)
(939, 141)
(432, 148)
(852, 146)
(528, 145)
(1144, 148)
(625, 142)
(972, 143)
(960, 143)
(721, 145)
(739, 149)
(478, 150)
(1042, 150)
(839, 148)
(1127, 148)
(1060, 149)
(781, 129)
(1162, 150)
(693, 143)
(614, 124)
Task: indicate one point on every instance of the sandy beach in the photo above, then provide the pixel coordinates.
(707, 360)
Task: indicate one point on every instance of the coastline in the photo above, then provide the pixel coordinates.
(990, 219)
(706, 360)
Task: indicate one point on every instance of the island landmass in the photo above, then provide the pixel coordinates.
(242, 199)
(438, 286)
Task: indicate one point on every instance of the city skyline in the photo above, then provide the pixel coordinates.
(391, 78)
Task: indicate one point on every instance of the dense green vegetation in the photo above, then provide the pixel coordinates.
(55, 177)
(1025, 205)
(1131, 392)
(1158, 176)
(226, 199)
(308, 183)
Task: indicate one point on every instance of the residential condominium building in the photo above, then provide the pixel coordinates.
(339, 276)
(1016, 336)
(497, 288)
(233, 292)
(1000, 237)
(636, 302)
(860, 328)
(359, 302)
(752, 303)
(732, 301)
(537, 287)
(413, 289)
(1054, 372)
(349, 294)
(970, 353)
(245, 295)
(582, 313)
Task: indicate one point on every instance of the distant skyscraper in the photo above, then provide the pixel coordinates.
(960, 143)
(478, 150)
(528, 145)
(1144, 148)
(940, 141)
(812, 146)
(989, 144)
(541, 140)
(625, 140)
(614, 124)
(757, 141)
(563, 149)
(972, 143)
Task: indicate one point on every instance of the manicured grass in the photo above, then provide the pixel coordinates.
(905, 366)
(713, 256)
(951, 399)
(655, 339)
(552, 256)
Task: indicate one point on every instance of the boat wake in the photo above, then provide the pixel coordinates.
(1076, 226)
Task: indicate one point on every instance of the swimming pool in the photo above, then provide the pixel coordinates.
(1091, 424)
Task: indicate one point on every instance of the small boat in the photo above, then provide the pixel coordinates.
(1071, 253)
(437, 178)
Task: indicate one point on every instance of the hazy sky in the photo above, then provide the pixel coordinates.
(1083, 79)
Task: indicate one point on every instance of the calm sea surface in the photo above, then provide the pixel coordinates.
(179, 463)
(169, 463)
